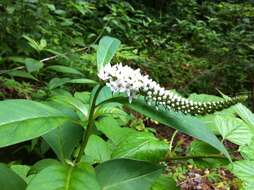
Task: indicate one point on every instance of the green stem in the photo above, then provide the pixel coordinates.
(172, 140)
(90, 125)
(198, 157)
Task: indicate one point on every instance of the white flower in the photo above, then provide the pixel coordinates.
(124, 79)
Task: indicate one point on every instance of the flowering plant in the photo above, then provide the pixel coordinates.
(115, 155)
(132, 82)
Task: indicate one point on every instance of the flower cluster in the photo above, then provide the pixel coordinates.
(132, 82)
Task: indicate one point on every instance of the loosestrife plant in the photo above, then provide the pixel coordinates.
(66, 124)
(124, 79)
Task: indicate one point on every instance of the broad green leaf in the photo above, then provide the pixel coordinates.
(233, 129)
(42, 164)
(73, 102)
(110, 127)
(83, 97)
(21, 171)
(22, 74)
(65, 177)
(141, 146)
(165, 182)
(32, 65)
(114, 110)
(43, 43)
(247, 151)
(199, 148)
(125, 174)
(245, 114)
(57, 82)
(9, 180)
(65, 69)
(106, 50)
(243, 169)
(104, 94)
(22, 120)
(97, 150)
(34, 44)
(184, 123)
(64, 139)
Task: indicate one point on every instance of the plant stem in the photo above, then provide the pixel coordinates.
(90, 124)
(172, 140)
(198, 157)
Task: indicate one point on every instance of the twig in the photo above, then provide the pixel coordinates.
(55, 56)
(80, 49)
(172, 140)
(198, 157)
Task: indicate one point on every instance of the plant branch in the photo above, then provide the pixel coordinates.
(168, 158)
(80, 49)
(56, 56)
(90, 124)
(172, 140)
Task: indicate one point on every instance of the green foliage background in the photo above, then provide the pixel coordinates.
(191, 45)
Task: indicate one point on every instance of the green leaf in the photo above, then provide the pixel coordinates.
(245, 114)
(21, 171)
(22, 120)
(65, 177)
(125, 174)
(110, 127)
(73, 102)
(114, 110)
(33, 65)
(233, 129)
(34, 44)
(165, 183)
(243, 169)
(42, 164)
(184, 123)
(65, 69)
(105, 94)
(106, 50)
(199, 148)
(64, 139)
(82, 81)
(247, 151)
(141, 146)
(83, 96)
(97, 150)
(57, 82)
(9, 180)
(22, 74)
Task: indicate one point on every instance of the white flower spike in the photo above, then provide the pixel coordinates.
(124, 79)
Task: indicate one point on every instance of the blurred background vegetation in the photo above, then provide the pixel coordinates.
(190, 45)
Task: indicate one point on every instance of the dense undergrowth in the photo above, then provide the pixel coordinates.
(59, 123)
